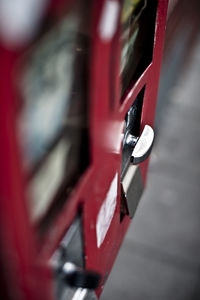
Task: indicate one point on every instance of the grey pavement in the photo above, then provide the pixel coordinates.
(160, 257)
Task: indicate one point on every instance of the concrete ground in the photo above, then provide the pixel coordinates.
(160, 257)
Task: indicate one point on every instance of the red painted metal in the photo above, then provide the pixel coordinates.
(25, 259)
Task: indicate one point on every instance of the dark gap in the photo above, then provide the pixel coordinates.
(132, 126)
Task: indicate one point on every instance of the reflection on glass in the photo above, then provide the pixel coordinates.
(53, 117)
(138, 23)
(47, 89)
(131, 12)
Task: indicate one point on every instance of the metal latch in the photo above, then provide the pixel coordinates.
(141, 145)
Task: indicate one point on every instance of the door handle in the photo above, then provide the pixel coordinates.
(141, 145)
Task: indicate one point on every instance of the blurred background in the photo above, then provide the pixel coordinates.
(160, 256)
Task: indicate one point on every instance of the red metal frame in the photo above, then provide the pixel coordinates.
(25, 259)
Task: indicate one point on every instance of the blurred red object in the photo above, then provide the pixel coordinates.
(65, 93)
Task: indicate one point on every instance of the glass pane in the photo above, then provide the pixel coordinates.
(138, 24)
(53, 117)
